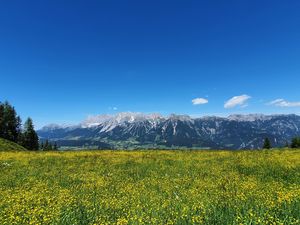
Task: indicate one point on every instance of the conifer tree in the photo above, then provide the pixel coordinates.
(30, 137)
(295, 142)
(10, 123)
(267, 144)
(50, 146)
(46, 145)
(55, 146)
(42, 146)
(1, 120)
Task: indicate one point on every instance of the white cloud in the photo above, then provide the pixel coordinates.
(237, 100)
(112, 108)
(283, 103)
(199, 101)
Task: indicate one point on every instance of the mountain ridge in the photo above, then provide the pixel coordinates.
(138, 130)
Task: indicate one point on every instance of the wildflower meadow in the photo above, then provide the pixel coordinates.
(150, 187)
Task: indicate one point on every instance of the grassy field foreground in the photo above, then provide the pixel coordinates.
(150, 187)
(9, 145)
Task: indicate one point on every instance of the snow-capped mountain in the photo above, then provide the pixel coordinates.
(113, 120)
(138, 130)
(249, 117)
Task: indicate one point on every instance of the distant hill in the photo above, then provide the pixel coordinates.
(137, 130)
(6, 145)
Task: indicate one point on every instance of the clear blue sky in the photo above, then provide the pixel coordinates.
(63, 60)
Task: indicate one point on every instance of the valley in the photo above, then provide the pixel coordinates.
(153, 131)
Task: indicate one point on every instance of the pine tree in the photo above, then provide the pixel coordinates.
(30, 137)
(55, 146)
(1, 120)
(19, 139)
(50, 146)
(267, 144)
(295, 142)
(46, 145)
(10, 123)
(42, 146)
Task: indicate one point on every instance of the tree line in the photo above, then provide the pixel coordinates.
(47, 146)
(11, 129)
(295, 143)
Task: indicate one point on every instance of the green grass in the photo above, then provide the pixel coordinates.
(6, 145)
(150, 187)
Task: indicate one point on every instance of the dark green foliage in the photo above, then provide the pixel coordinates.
(30, 138)
(267, 144)
(42, 146)
(1, 119)
(295, 142)
(10, 123)
(48, 146)
(55, 146)
(10, 128)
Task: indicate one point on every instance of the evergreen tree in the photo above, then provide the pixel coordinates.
(46, 145)
(55, 146)
(19, 131)
(295, 142)
(42, 146)
(30, 137)
(1, 120)
(10, 123)
(50, 146)
(267, 144)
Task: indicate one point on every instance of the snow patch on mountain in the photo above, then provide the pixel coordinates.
(54, 126)
(96, 120)
(108, 122)
(249, 117)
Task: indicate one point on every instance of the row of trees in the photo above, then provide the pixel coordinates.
(294, 144)
(48, 146)
(11, 128)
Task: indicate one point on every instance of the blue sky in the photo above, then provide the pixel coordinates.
(63, 60)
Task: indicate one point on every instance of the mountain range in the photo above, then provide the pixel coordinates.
(129, 130)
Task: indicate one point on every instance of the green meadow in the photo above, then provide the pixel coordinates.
(150, 187)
